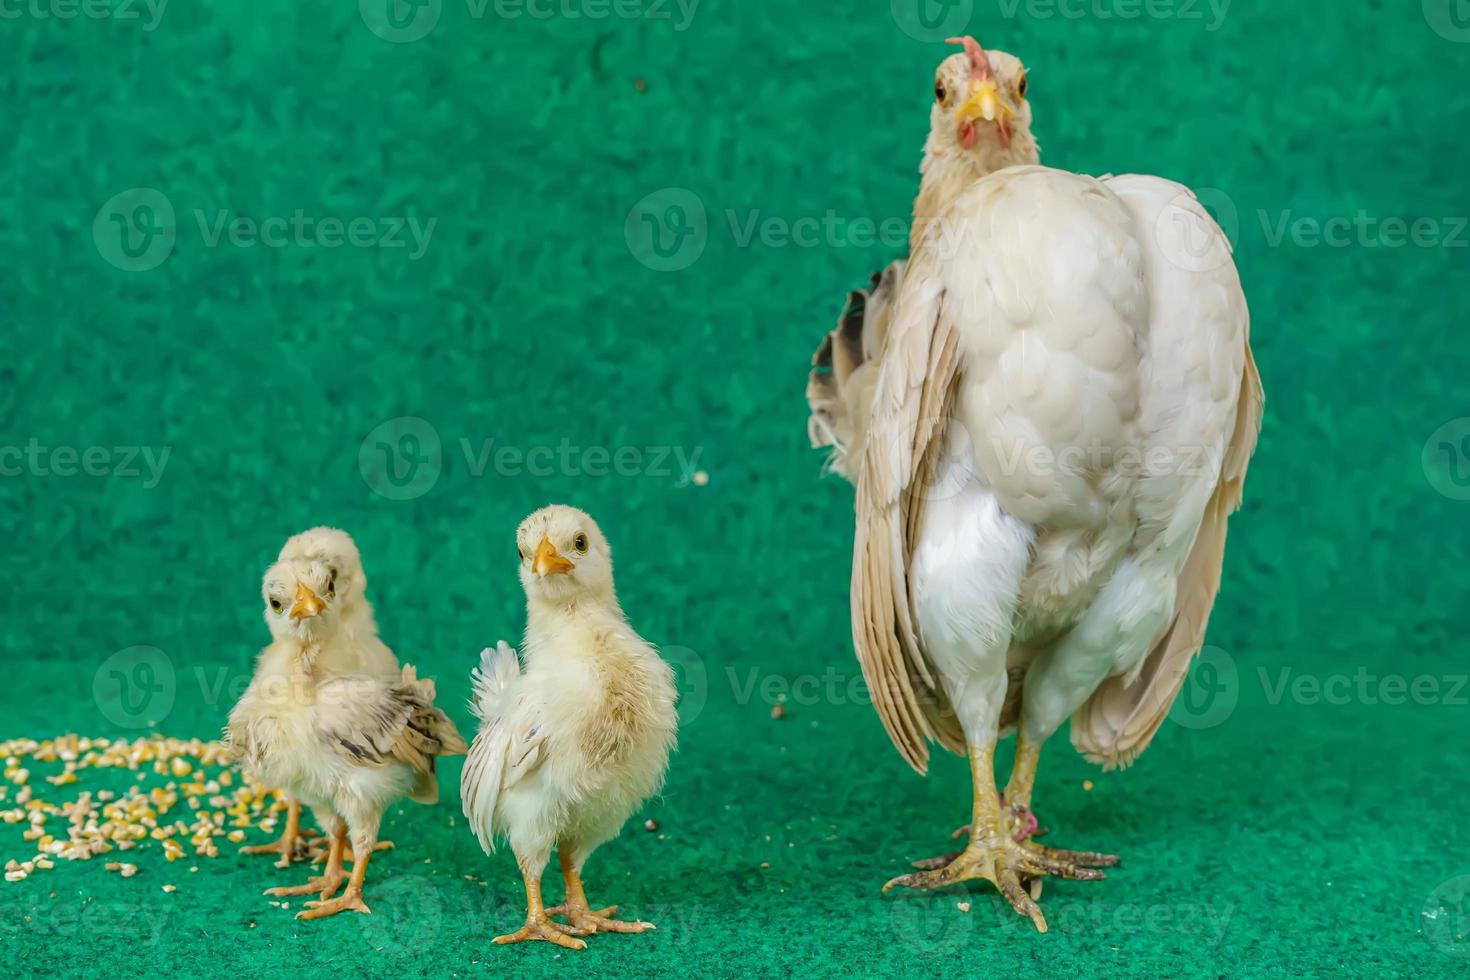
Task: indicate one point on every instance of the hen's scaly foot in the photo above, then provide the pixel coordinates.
(318, 855)
(1003, 863)
(324, 885)
(350, 900)
(540, 928)
(1020, 824)
(584, 921)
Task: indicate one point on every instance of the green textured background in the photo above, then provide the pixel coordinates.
(1263, 834)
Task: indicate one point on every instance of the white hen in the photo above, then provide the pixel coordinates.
(1046, 449)
(569, 747)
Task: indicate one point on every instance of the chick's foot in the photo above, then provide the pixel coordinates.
(324, 885)
(349, 901)
(582, 921)
(540, 928)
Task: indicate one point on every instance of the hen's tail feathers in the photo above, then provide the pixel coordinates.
(1117, 723)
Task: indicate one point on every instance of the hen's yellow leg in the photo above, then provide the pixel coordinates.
(291, 845)
(583, 920)
(331, 877)
(992, 854)
(538, 923)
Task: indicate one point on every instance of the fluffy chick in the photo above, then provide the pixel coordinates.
(337, 551)
(573, 743)
(329, 718)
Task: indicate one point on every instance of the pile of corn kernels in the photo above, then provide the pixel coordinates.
(217, 803)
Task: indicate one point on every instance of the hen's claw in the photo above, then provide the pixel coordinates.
(1001, 863)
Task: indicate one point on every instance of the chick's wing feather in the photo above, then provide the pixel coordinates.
(507, 746)
(371, 723)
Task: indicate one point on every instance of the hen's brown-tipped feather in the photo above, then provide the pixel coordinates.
(1118, 721)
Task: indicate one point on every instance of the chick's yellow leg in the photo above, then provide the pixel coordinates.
(538, 923)
(292, 845)
(992, 854)
(351, 898)
(581, 919)
(331, 877)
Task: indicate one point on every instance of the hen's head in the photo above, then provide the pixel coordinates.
(980, 106)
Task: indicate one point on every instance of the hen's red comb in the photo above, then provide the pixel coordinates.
(979, 64)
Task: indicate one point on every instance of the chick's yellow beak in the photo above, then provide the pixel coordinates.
(548, 560)
(308, 604)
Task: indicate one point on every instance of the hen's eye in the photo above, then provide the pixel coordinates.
(939, 90)
(276, 604)
(1021, 89)
(580, 543)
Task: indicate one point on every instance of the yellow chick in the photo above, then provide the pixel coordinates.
(330, 719)
(335, 548)
(573, 743)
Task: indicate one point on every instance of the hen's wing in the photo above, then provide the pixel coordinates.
(918, 377)
(371, 724)
(507, 746)
(1205, 393)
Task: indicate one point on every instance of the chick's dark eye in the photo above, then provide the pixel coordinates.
(580, 543)
(276, 604)
(939, 91)
(331, 582)
(1021, 89)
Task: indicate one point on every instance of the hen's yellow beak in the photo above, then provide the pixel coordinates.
(548, 560)
(984, 103)
(307, 603)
